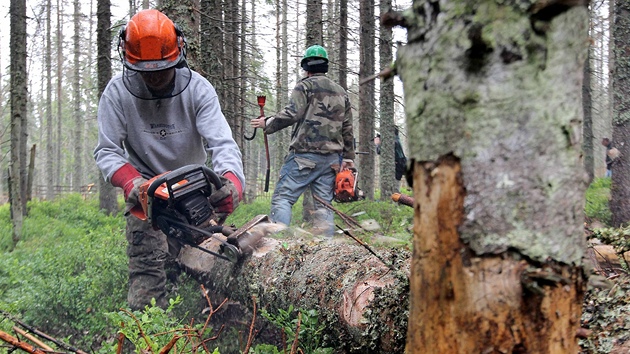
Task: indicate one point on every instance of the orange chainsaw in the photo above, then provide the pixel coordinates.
(177, 203)
(346, 189)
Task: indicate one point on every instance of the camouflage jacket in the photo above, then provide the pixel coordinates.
(319, 111)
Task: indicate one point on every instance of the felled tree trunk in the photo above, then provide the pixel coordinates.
(493, 106)
(362, 302)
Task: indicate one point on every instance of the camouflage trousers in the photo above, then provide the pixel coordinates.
(149, 252)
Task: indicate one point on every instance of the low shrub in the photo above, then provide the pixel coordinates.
(597, 198)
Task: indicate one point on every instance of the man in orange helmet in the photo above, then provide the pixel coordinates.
(154, 117)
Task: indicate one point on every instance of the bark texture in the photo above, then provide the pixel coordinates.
(387, 170)
(107, 192)
(19, 99)
(587, 130)
(620, 191)
(367, 98)
(493, 105)
(362, 302)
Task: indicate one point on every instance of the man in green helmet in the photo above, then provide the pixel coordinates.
(321, 142)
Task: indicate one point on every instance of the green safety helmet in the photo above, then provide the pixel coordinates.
(315, 52)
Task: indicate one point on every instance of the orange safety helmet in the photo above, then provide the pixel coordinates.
(151, 42)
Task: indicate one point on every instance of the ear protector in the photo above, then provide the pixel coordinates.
(181, 40)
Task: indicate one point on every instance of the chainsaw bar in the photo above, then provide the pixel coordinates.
(174, 228)
(243, 229)
(245, 240)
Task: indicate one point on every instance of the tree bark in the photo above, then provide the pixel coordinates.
(366, 98)
(360, 300)
(314, 35)
(343, 44)
(107, 192)
(314, 25)
(387, 170)
(77, 139)
(30, 174)
(620, 191)
(60, 97)
(587, 131)
(19, 97)
(50, 180)
(494, 118)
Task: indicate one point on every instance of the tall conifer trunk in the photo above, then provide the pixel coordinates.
(493, 106)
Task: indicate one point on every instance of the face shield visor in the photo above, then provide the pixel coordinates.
(156, 85)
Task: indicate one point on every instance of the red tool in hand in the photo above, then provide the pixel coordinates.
(261, 104)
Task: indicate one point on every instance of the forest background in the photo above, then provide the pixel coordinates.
(558, 174)
(63, 129)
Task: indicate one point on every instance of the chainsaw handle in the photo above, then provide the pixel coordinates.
(179, 174)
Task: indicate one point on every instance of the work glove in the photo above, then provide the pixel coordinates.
(225, 199)
(132, 197)
(347, 164)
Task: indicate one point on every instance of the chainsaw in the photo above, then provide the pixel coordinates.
(346, 189)
(176, 202)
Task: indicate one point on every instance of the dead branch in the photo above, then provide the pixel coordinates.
(121, 340)
(347, 219)
(42, 334)
(367, 247)
(294, 346)
(33, 339)
(167, 348)
(250, 338)
(19, 344)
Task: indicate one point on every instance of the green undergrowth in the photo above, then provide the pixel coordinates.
(70, 267)
(597, 198)
(69, 270)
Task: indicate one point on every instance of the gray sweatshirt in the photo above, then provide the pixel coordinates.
(157, 136)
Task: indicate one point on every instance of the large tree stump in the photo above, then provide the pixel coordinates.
(362, 302)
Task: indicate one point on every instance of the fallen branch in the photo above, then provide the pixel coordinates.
(19, 344)
(32, 339)
(348, 220)
(366, 246)
(42, 334)
(294, 345)
(250, 338)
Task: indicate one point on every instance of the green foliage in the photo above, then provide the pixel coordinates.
(266, 349)
(5, 227)
(310, 333)
(245, 212)
(597, 198)
(69, 267)
(153, 328)
(395, 220)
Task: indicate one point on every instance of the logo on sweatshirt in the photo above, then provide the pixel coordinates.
(163, 131)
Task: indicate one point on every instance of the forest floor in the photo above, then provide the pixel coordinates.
(606, 311)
